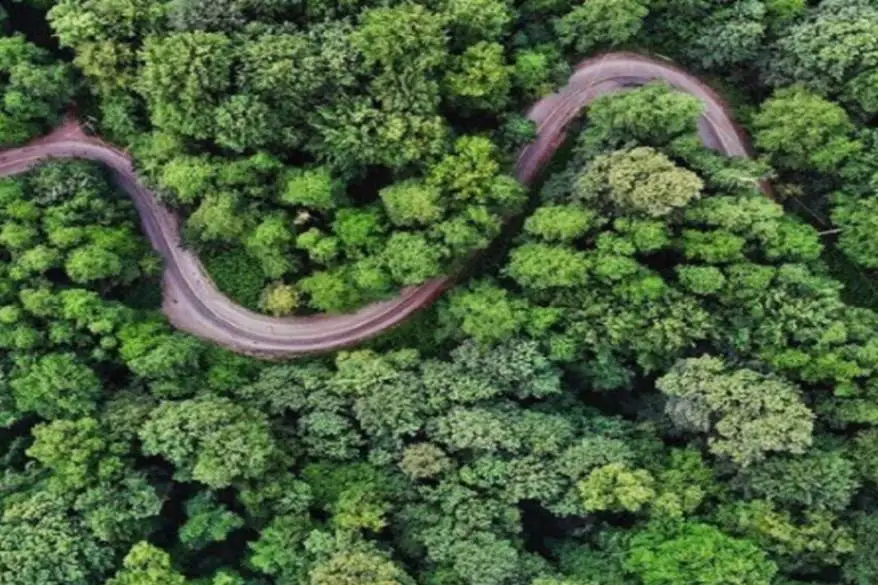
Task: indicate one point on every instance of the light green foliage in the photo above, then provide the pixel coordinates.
(595, 23)
(360, 230)
(403, 38)
(748, 414)
(183, 79)
(271, 243)
(35, 89)
(617, 488)
(536, 71)
(314, 188)
(146, 564)
(93, 263)
(329, 291)
(683, 485)
(801, 130)
(424, 461)
(359, 567)
(697, 553)
(411, 259)
(279, 549)
(481, 79)
(32, 532)
(217, 219)
(321, 248)
(562, 223)
(210, 440)
(799, 542)
(76, 452)
(55, 386)
(279, 299)
(639, 181)
(541, 266)
(702, 280)
(412, 203)
(487, 312)
(243, 122)
(189, 178)
(472, 174)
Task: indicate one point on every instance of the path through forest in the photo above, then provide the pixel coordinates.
(194, 304)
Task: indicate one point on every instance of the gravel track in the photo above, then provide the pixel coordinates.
(192, 302)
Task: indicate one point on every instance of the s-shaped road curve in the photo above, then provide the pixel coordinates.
(192, 302)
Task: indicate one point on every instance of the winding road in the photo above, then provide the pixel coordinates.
(193, 303)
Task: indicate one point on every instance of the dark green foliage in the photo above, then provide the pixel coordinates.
(35, 87)
(236, 274)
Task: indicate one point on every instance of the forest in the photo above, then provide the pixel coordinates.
(654, 363)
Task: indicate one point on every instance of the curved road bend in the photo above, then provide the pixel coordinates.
(192, 302)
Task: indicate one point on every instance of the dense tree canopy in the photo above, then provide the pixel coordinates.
(654, 375)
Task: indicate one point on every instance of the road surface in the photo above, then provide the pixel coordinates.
(192, 302)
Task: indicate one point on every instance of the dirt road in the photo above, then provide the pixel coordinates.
(192, 302)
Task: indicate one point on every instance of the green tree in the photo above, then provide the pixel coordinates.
(412, 202)
(832, 51)
(210, 440)
(146, 564)
(560, 223)
(749, 414)
(244, 122)
(207, 522)
(653, 115)
(77, 452)
(731, 36)
(486, 312)
(35, 89)
(697, 553)
(188, 178)
(477, 20)
(280, 299)
(480, 78)
(857, 218)
(411, 258)
(314, 188)
(270, 242)
(407, 37)
(801, 130)
(93, 263)
(639, 181)
(183, 79)
(861, 568)
(541, 267)
(600, 22)
(363, 566)
(33, 530)
(615, 487)
(57, 385)
(817, 480)
(330, 291)
(217, 219)
(424, 461)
